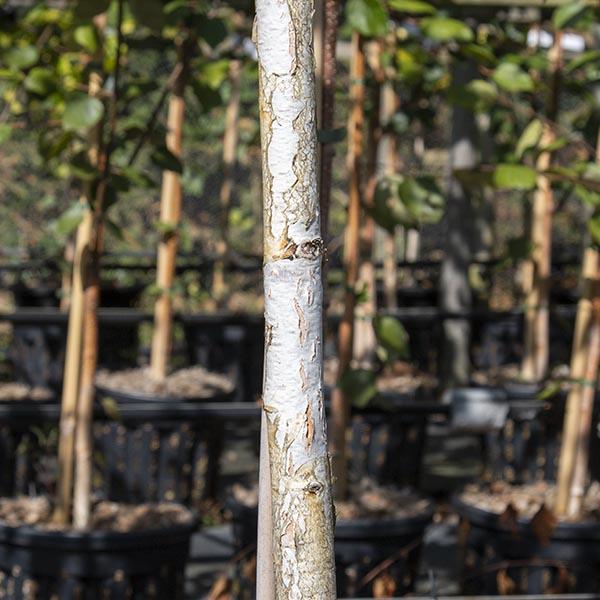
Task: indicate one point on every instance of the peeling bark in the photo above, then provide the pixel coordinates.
(302, 506)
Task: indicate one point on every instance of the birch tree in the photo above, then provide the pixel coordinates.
(302, 508)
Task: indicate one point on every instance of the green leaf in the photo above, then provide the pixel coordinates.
(588, 196)
(85, 10)
(549, 391)
(557, 144)
(445, 29)
(207, 97)
(519, 248)
(148, 13)
(581, 60)
(87, 37)
(70, 219)
(413, 7)
(529, 138)
(53, 142)
(82, 112)
(215, 72)
(368, 17)
(331, 136)
(5, 132)
(515, 177)
(512, 78)
(358, 386)
(165, 228)
(213, 31)
(20, 57)
(482, 55)
(82, 168)
(162, 157)
(422, 198)
(40, 81)
(478, 95)
(392, 335)
(115, 230)
(388, 211)
(137, 178)
(568, 14)
(594, 227)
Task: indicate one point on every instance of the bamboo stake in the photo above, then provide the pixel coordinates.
(70, 391)
(535, 353)
(570, 445)
(339, 403)
(170, 214)
(588, 393)
(390, 266)
(581, 334)
(230, 143)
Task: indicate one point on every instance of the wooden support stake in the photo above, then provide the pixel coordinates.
(170, 214)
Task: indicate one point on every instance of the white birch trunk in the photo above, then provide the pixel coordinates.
(293, 396)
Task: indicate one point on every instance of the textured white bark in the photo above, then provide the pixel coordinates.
(293, 396)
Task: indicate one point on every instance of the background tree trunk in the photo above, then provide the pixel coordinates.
(302, 504)
(230, 143)
(455, 289)
(365, 342)
(339, 404)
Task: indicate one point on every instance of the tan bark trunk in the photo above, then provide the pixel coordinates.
(230, 143)
(325, 121)
(170, 213)
(302, 507)
(72, 368)
(339, 404)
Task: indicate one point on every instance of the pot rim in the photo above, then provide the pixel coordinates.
(565, 530)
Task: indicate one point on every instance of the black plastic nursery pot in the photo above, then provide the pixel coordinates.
(144, 452)
(507, 558)
(228, 343)
(38, 564)
(39, 337)
(366, 551)
(386, 439)
(160, 455)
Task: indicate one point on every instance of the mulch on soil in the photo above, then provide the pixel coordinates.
(191, 383)
(106, 516)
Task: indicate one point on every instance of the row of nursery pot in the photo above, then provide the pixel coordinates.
(233, 343)
(161, 450)
(225, 343)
